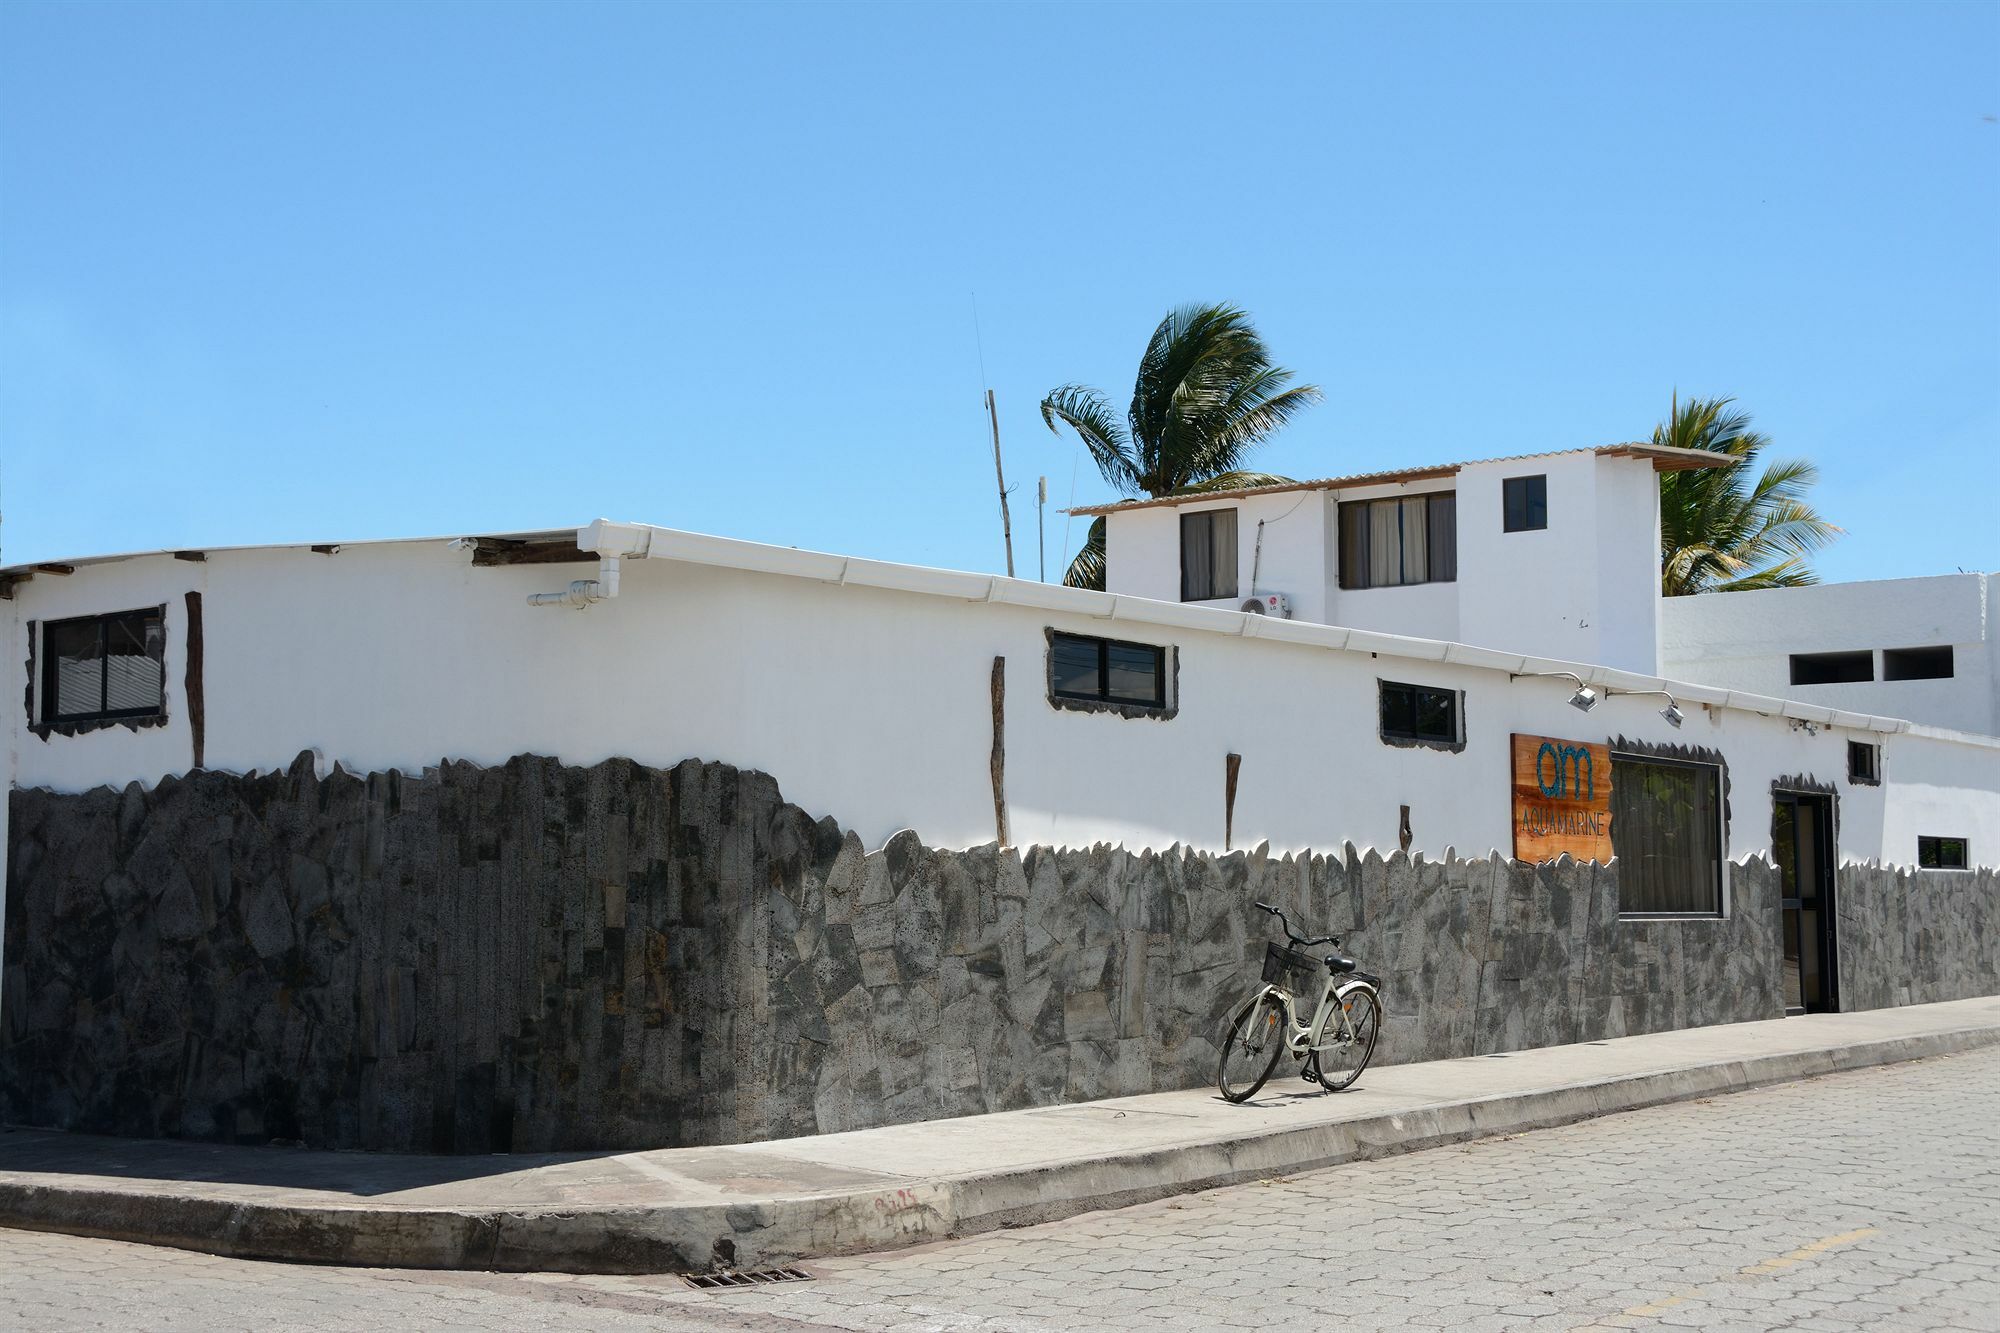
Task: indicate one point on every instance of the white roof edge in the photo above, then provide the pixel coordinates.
(699, 548)
(85, 561)
(789, 561)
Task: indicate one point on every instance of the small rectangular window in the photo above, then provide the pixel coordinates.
(1917, 663)
(1942, 853)
(1389, 543)
(1421, 714)
(1107, 671)
(1666, 830)
(1832, 668)
(1864, 763)
(1208, 555)
(100, 668)
(1525, 503)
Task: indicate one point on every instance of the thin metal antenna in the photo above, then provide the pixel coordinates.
(1006, 523)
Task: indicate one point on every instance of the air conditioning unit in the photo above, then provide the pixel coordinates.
(1269, 604)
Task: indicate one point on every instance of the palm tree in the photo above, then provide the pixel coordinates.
(1207, 394)
(1728, 529)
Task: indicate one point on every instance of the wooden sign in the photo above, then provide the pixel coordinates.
(1562, 799)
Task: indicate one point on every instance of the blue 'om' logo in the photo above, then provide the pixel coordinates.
(1572, 770)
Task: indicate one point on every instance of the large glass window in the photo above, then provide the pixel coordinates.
(1666, 830)
(103, 667)
(1388, 543)
(1208, 555)
(1107, 671)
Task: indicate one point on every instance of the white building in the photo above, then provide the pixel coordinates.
(1555, 555)
(1916, 648)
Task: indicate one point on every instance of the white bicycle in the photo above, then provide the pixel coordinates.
(1336, 1044)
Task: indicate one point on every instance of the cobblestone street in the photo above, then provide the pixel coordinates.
(1863, 1200)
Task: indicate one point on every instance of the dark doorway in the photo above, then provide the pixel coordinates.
(1802, 841)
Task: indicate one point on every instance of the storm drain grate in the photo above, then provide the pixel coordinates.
(728, 1280)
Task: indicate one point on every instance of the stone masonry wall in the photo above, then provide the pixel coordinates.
(534, 957)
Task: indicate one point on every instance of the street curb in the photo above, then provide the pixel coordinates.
(761, 1233)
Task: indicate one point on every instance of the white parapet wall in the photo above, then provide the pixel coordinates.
(1747, 641)
(864, 688)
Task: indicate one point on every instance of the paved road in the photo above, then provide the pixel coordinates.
(1864, 1200)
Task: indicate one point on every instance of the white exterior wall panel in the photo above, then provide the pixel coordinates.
(871, 705)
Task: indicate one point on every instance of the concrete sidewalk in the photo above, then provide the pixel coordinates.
(757, 1204)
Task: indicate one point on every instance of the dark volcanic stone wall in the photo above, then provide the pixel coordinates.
(536, 957)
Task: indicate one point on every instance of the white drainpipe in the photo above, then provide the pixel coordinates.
(612, 542)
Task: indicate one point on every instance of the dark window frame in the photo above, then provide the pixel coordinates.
(1524, 503)
(1414, 736)
(1439, 551)
(1917, 663)
(1206, 519)
(1166, 670)
(49, 696)
(1835, 676)
(1936, 847)
(1869, 772)
(1721, 871)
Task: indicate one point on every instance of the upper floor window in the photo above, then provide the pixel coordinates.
(1109, 672)
(98, 668)
(1525, 503)
(1832, 668)
(1917, 663)
(1208, 555)
(1387, 543)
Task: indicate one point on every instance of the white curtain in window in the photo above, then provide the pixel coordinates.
(1385, 546)
(1222, 553)
(1416, 542)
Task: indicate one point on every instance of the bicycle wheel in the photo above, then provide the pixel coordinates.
(1340, 1059)
(1250, 1050)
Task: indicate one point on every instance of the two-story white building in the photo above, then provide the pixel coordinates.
(1552, 554)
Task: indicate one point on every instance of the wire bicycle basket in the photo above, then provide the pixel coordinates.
(1289, 968)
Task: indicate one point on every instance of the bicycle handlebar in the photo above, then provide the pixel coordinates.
(1334, 940)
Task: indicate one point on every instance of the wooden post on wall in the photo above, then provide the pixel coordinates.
(197, 711)
(998, 762)
(1230, 766)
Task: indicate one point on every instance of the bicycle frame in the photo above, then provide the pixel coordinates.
(1333, 995)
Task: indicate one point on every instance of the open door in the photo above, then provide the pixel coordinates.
(1803, 843)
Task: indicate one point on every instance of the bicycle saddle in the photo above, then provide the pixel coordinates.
(1337, 963)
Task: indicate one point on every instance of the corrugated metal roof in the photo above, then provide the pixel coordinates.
(1665, 459)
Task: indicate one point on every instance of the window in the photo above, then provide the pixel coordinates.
(1208, 555)
(1106, 671)
(1916, 663)
(1864, 763)
(1941, 853)
(103, 667)
(1419, 714)
(1666, 830)
(1387, 543)
(1525, 503)
(1832, 668)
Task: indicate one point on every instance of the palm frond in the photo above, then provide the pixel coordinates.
(1086, 568)
(1088, 413)
(1725, 529)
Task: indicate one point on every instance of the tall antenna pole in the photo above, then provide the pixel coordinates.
(1006, 523)
(1041, 543)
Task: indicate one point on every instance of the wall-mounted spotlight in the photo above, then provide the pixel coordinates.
(1672, 712)
(1585, 697)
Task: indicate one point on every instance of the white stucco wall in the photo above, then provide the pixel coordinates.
(1746, 640)
(1586, 588)
(870, 704)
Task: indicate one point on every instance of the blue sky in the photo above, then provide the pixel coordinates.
(311, 272)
